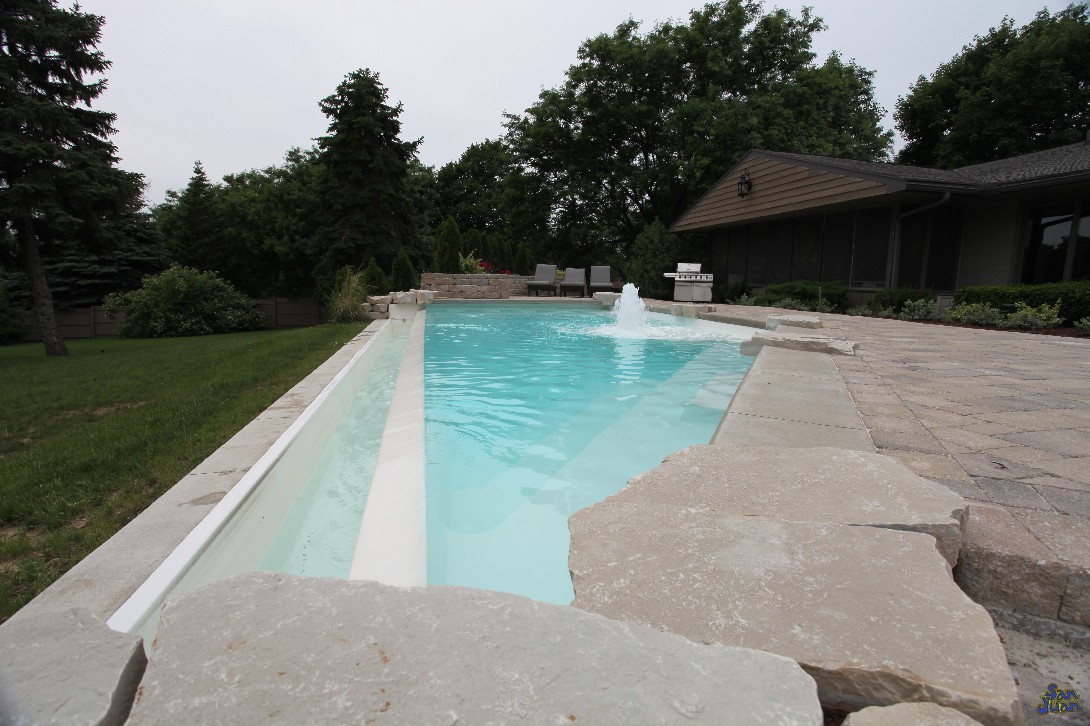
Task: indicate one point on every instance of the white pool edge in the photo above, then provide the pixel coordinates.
(151, 594)
(392, 544)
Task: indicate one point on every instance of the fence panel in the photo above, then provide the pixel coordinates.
(92, 322)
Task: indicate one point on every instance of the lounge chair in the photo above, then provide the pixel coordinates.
(600, 279)
(544, 279)
(575, 278)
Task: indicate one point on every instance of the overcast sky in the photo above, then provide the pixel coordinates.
(236, 83)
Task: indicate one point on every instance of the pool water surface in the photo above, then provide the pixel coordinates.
(531, 415)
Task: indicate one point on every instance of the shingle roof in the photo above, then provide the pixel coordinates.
(1071, 159)
(903, 172)
(1039, 165)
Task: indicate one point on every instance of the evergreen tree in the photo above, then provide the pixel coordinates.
(472, 244)
(402, 275)
(375, 279)
(191, 224)
(448, 245)
(366, 191)
(57, 165)
(522, 261)
(653, 254)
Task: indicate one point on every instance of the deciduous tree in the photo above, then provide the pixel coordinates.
(646, 122)
(1011, 91)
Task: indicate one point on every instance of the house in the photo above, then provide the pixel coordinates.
(777, 217)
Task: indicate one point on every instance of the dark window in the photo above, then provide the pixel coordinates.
(1046, 255)
(779, 250)
(914, 233)
(806, 256)
(1080, 268)
(737, 257)
(836, 254)
(871, 245)
(943, 249)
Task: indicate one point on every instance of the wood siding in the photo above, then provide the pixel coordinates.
(778, 189)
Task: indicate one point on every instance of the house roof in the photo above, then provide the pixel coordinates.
(1062, 165)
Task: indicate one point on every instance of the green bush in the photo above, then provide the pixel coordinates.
(182, 301)
(1083, 324)
(402, 275)
(348, 296)
(896, 297)
(375, 279)
(922, 309)
(12, 320)
(859, 311)
(975, 314)
(836, 293)
(1074, 297)
(724, 293)
(1034, 318)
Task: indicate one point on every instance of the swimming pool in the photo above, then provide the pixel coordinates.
(531, 415)
(562, 410)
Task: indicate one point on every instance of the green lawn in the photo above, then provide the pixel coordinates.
(87, 442)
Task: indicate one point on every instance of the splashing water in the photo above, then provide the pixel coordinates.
(629, 310)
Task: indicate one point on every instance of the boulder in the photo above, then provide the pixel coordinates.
(909, 714)
(259, 646)
(793, 321)
(812, 344)
(67, 667)
(871, 613)
(804, 485)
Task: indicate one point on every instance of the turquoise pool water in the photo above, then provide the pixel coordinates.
(318, 535)
(532, 414)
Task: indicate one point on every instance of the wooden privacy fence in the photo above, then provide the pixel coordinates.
(92, 322)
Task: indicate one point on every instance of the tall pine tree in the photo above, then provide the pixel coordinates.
(57, 165)
(366, 178)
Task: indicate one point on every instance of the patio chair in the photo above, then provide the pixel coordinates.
(601, 280)
(575, 278)
(544, 279)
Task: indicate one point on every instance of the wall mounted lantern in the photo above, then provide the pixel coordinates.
(745, 186)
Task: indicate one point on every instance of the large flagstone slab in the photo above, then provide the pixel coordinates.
(261, 647)
(871, 613)
(806, 485)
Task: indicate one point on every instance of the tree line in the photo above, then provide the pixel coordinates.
(591, 173)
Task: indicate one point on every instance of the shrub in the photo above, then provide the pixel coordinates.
(348, 296)
(448, 246)
(402, 275)
(182, 301)
(375, 279)
(469, 264)
(836, 293)
(787, 303)
(922, 309)
(1074, 297)
(895, 298)
(1083, 324)
(745, 299)
(859, 311)
(12, 320)
(975, 314)
(1034, 318)
(722, 292)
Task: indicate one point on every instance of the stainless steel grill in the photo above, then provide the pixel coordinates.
(690, 284)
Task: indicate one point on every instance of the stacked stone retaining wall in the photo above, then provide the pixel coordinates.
(475, 287)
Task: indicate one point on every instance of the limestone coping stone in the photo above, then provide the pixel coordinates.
(792, 321)
(909, 714)
(262, 645)
(872, 614)
(804, 485)
(608, 299)
(67, 667)
(1004, 566)
(814, 344)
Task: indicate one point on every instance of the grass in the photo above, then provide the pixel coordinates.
(87, 442)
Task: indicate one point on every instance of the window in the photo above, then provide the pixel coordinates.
(1046, 256)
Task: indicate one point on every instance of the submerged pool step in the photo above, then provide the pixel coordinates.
(391, 547)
